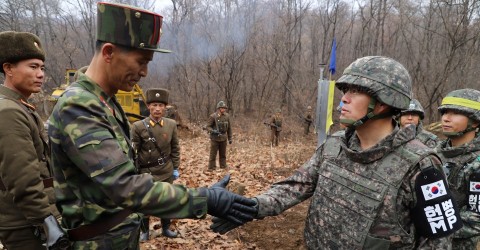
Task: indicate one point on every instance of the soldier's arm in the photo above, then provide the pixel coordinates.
(471, 219)
(211, 123)
(410, 199)
(291, 191)
(20, 170)
(229, 130)
(97, 153)
(135, 137)
(175, 148)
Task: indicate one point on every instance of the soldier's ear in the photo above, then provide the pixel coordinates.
(107, 52)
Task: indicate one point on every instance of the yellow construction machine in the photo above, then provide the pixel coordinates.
(133, 102)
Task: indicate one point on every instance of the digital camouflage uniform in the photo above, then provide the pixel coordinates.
(26, 190)
(160, 164)
(95, 176)
(308, 119)
(382, 197)
(275, 127)
(427, 138)
(218, 141)
(462, 163)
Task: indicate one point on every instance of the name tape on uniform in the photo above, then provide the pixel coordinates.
(433, 190)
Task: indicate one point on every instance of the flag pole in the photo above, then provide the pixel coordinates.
(321, 107)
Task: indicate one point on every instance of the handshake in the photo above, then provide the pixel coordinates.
(230, 210)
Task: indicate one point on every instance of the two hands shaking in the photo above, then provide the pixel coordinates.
(229, 209)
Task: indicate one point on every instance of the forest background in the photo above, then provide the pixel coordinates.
(260, 55)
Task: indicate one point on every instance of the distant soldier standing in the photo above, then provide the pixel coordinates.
(308, 119)
(156, 143)
(99, 191)
(414, 115)
(220, 130)
(26, 186)
(275, 127)
(460, 152)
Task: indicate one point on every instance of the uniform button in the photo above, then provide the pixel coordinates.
(149, 150)
(44, 159)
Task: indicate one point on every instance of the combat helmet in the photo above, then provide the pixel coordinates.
(465, 101)
(221, 104)
(415, 107)
(383, 78)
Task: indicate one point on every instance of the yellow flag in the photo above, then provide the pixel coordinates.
(331, 91)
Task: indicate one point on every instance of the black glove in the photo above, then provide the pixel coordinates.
(223, 226)
(229, 141)
(227, 205)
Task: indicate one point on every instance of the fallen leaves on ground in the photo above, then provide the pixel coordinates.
(253, 165)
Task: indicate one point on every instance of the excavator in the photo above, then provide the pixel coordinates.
(133, 102)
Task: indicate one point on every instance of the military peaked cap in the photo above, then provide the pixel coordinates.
(129, 26)
(18, 46)
(157, 95)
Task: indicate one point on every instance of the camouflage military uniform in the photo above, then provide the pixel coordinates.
(26, 185)
(275, 127)
(99, 192)
(384, 195)
(462, 163)
(387, 174)
(92, 160)
(308, 119)
(218, 141)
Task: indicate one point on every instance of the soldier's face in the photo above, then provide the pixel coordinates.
(156, 109)
(409, 118)
(453, 121)
(355, 104)
(25, 77)
(222, 110)
(129, 67)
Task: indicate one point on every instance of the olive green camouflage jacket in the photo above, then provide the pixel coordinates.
(93, 166)
(23, 164)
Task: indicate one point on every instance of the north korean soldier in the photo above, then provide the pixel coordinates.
(460, 111)
(156, 142)
(26, 185)
(275, 127)
(220, 130)
(308, 119)
(99, 192)
(373, 185)
(414, 115)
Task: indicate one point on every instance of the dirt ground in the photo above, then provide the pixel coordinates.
(254, 164)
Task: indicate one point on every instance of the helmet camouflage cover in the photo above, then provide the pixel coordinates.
(383, 78)
(129, 26)
(221, 104)
(415, 107)
(466, 101)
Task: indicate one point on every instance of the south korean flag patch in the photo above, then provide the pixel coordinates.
(474, 193)
(435, 214)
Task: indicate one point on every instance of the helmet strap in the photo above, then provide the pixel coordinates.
(370, 115)
(458, 134)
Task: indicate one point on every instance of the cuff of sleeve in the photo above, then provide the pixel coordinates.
(199, 203)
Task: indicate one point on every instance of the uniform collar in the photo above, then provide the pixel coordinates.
(8, 92)
(398, 137)
(449, 152)
(152, 122)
